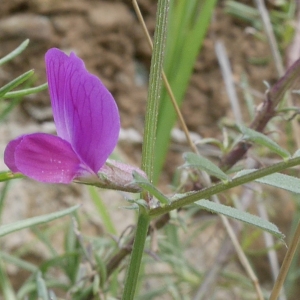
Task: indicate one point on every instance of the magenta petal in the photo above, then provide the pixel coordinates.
(46, 158)
(85, 112)
(9, 154)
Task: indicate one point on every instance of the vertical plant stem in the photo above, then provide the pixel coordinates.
(148, 146)
(286, 265)
(154, 88)
(166, 82)
(136, 254)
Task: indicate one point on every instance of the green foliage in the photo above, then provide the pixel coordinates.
(281, 181)
(261, 139)
(201, 163)
(14, 53)
(147, 186)
(9, 228)
(188, 24)
(234, 213)
(92, 267)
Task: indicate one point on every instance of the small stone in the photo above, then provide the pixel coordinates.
(29, 26)
(110, 16)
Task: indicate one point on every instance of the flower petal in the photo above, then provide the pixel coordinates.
(85, 112)
(44, 157)
(9, 154)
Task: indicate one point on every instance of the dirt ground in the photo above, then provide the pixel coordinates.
(109, 38)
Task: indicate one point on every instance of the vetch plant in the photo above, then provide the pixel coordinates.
(87, 122)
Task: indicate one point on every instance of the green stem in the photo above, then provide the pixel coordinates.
(136, 255)
(220, 187)
(148, 146)
(154, 88)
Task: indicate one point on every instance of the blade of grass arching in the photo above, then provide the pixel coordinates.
(193, 37)
(19, 225)
(15, 82)
(25, 92)
(102, 210)
(14, 53)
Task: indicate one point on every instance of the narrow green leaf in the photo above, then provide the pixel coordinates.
(9, 228)
(15, 82)
(149, 187)
(7, 175)
(240, 216)
(41, 287)
(188, 23)
(281, 181)
(26, 92)
(261, 139)
(14, 53)
(201, 163)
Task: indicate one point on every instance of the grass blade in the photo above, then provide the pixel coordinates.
(14, 53)
(9, 228)
(186, 37)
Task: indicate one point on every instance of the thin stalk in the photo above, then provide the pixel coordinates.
(148, 146)
(136, 255)
(285, 265)
(240, 253)
(242, 257)
(270, 36)
(154, 88)
(221, 187)
(166, 82)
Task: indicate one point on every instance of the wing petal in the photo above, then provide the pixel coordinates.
(9, 154)
(45, 158)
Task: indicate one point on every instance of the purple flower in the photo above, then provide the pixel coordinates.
(87, 121)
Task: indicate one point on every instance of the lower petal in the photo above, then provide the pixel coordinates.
(9, 154)
(45, 158)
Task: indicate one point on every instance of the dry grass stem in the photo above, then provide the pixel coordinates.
(228, 80)
(286, 265)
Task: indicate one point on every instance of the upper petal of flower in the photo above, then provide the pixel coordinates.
(45, 158)
(85, 112)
